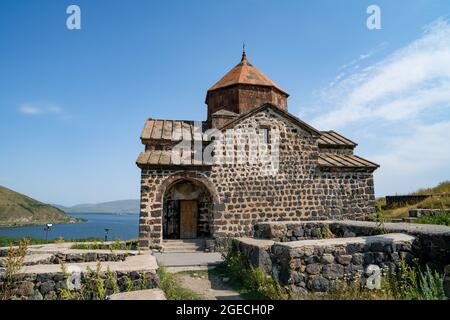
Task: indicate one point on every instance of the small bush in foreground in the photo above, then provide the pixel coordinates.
(411, 282)
(249, 281)
(442, 218)
(173, 291)
(13, 263)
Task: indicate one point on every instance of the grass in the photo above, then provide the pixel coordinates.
(13, 264)
(411, 282)
(170, 284)
(441, 188)
(442, 219)
(440, 199)
(100, 245)
(7, 241)
(251, 283)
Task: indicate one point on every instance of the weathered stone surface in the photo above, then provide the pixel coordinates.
(333, 271)
(25, 289)
(358, 258)
(151, 294)
(314, 268)
(345, 259)
(318, 283)
(47, 287)
(327, 258)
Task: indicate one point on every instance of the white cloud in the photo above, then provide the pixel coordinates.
(34, 109)
(413, 153)
(402, 105)
(420, 159)
(386, 90)
(30, 109)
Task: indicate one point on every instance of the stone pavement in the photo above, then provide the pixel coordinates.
(188, 260)
(151, 294)
(211, 287)
(143, 262)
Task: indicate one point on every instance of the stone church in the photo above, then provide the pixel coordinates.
(317, 175)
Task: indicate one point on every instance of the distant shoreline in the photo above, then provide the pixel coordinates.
(35, 224)
(103, 212)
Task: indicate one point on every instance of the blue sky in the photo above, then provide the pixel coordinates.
(73, 103)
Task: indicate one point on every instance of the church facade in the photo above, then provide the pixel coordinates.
(250, 161)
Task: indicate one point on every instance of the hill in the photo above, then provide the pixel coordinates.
(17, 209)
(120, 206)
(440, 199)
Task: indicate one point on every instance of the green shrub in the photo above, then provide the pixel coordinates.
(13, 263)
(251, 282)
(442, 218)
(410, 282)
(170, 285)
(416, 283)
(100, 245)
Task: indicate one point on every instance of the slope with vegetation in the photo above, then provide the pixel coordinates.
(440, 199)
(17, 209)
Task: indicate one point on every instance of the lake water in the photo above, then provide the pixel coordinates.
(121, 226)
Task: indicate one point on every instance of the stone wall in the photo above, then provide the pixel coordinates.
(431, 242)
(314, 265)
(31, 286)
(244, 195)
(59, 257)
(416, 213)
(400, 201)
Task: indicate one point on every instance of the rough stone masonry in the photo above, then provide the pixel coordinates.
(317, 174)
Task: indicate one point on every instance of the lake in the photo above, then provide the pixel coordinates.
(121, 226)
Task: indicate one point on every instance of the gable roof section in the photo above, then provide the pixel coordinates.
(164, 158)
(170, 130)
(282, 113)
(334, 139)
(345, 161)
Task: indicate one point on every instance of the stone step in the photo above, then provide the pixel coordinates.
(192, 246)
(181, 250)
(183, 241)
(180, 245)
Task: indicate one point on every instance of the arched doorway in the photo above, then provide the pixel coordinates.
(187, 210)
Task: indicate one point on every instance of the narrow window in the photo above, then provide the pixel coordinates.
(265, 135)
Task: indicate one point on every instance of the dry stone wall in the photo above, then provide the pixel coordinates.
(315, 265)
(431, 243)
(49, 286)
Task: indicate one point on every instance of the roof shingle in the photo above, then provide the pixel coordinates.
(345, 161)
(334, 139)
(245, 73)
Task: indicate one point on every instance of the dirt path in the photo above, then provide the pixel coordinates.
(211, 287)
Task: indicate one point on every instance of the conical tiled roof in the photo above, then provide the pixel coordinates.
(245, 73)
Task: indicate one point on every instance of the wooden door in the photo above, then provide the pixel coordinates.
(188, 219)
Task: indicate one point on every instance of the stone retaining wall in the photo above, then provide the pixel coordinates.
(431, 244)
(57, 258)
(417, 213)
(31, 286)
(401, 201)
(314, 265)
